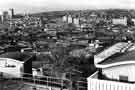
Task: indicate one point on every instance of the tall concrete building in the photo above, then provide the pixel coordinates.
(76, 21)
(5, 16)
(70, 20)
(41, 21)
(64, 18)
(0, 17)
(11, 13)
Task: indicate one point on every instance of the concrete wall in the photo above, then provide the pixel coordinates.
(123, 70)
(96, 84)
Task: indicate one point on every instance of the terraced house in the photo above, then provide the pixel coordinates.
(116, 68)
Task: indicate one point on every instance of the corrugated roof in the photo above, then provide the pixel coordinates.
(120, 57)
(110, 51)
(125, 56)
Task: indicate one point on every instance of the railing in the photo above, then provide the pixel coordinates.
(47, 81)
(97, 84)
(81, 85)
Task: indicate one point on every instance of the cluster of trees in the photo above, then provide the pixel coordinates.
(61, 63)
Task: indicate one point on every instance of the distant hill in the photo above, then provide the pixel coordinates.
(109, 12)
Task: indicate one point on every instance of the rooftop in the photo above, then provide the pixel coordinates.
(116, 56)
(110, 51)
(119, 57)
(16, 55)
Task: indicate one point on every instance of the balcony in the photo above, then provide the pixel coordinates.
(100, 84)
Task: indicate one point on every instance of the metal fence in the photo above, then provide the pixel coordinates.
(81, 85)
(37, 81)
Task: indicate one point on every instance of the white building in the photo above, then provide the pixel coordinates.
(133, 19)
(116, 69)
(76, 21)
(122, 21)
(70, 19)
(64, 18)
(15, 64)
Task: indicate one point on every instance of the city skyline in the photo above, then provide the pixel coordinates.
(33, 6)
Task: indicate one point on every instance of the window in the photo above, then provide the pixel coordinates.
(123, 78)
(10, 66)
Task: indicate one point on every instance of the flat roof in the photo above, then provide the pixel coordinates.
(16, 55)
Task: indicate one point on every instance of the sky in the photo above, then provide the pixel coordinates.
(33, 6)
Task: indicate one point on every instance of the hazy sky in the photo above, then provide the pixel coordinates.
(45, 5)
